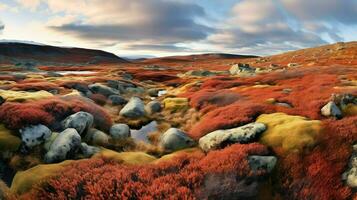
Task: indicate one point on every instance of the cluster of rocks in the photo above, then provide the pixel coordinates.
(241, 69)
(337, 104)
(350, 175)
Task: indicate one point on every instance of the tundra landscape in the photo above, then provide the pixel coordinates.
(82, 123)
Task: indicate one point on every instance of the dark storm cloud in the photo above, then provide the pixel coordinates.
(163, 22)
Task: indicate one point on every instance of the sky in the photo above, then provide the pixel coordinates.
(180, 27)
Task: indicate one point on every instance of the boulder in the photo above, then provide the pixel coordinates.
(34, 135)
(50, 140)
(176, 104)
(153, 107)
(220, 138)
(96, 137)
(174, 139)
(103, 89)
(64, 146)
(87, 150)
(119, 131)
(257, 163)
(241, 68)
(81, 121)
(350, 175)
(134, 108)
(117, 100)
(331, 110)
(138, 90)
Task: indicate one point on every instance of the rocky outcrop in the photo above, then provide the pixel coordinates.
(174, 139)
(331, 110)
(103, 89)
(64, 146)
(81, 121)
(241, 68)
(120, 131)
(220, 138)
(34, 135)
(133, 109)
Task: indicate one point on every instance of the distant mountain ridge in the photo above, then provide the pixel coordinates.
(19, 52)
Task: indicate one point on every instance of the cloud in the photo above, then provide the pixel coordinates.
(149, 21)
(154, 47)
(29, 4)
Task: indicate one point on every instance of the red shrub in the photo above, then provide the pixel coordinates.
(98, 99)
(35, 86)
(230, 116)
(50, 112)
(183, 177)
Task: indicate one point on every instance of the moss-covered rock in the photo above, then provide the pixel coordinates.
(176, 104)
(8, 140)
(291, 133)
(131, 158)
(24, 180)
(22, 96)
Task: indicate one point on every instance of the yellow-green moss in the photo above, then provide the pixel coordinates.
(291, 133)
(21, 96)
(131, 158)
(24, 180)
(176, 153)
(8, 141)
(176, 104)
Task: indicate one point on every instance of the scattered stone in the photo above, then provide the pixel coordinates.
(138, 90)
(103, 89)
(81, 121)
(134, 108)
(127, 76)
(117, 100)
(96, 137)
(342, 100)
(154, 92)
(120, 131)
(64, 146)
(34, 135)
(174, 139)
(283, 104)
(258, 163)
(293, 65)
(331, 110)
(287, 90)
(350, 175)
(120, 85)
(241, 68)
(153, 107)
(87, 150)
(220, 138)
(200, 73)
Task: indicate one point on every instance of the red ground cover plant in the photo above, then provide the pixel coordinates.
(317, 174)
(50, 112)
(35, 86)
(183, 177)
(230, 116)
(98, 99)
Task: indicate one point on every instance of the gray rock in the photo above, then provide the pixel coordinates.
(331, 110)
(120, 131)
(283, 104)
(81, 121)
(154, 92)
(50, 140)
(87, 150)
(287, 90)
(103, 89)
(257, 163)
(241, 68)
(153, 107)
(120, 85)
(175, 139)
(34, 135)
(138, 90)
(350, 175)
(200, 73)
(134, 108)
(117, 100)
(221, 138)
(64, 146)
(96, 137)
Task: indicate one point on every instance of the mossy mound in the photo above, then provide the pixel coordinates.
(176, 104)
(22, 96)
(24, 180)
(350, 110)
(131, 158)
(177, 153)
(8, 141)
(290, 133)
